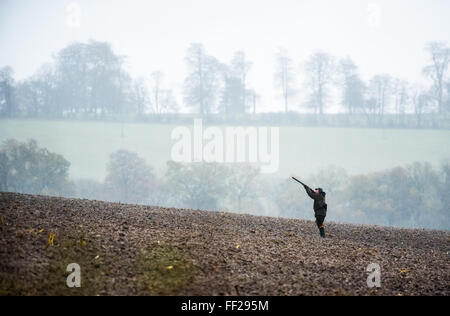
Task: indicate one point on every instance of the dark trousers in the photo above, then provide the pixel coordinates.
(319, 221)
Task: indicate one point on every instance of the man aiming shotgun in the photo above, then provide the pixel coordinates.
(320, 206)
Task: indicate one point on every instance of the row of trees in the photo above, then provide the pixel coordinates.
(382, 94)
(411, 196)
(86, 79)
(208, 186)
(415, 195)
(27, 168)
(215, 87)
(90, 80)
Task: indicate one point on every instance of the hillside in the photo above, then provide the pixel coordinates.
(144, 250)
(358, 150)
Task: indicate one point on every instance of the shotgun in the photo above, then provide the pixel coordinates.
(295, 179)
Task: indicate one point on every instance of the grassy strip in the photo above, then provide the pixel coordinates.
(164, 269)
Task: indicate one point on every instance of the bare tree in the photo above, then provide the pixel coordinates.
(240, 67)
(242, 183)
(254, 99)
(167, 101)
(140, 95)
(320, 69)
(400, 90)
(437, 70)
(421, 102)
(231, 101)
(447, 100)
(156, 78)
(198, 185)
(284, 76)
(38, 94)
(379, 96)
(352, 86)
(201, 84)
(161, 99)
(7, 91)
(129, 178)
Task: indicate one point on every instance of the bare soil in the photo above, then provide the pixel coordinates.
(145, 250)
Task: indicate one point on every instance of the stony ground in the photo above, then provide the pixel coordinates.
(143, 250)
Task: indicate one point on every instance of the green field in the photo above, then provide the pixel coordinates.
(303, 150)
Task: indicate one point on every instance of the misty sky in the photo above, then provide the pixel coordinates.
(381, 36)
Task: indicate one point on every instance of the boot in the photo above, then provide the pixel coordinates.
(322, 231)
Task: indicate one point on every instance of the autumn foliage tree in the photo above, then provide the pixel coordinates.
(27, 168)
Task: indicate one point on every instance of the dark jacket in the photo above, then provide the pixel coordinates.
(320, 207)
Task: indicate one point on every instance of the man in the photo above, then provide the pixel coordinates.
(320, 207)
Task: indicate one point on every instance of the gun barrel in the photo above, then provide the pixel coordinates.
(299, 182)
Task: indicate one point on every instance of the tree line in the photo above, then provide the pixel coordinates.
(410, 196)
(89, 81)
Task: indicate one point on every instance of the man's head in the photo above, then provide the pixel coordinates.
(320, 191)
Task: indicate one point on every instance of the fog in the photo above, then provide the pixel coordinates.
(380, 36)
(216, 104)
